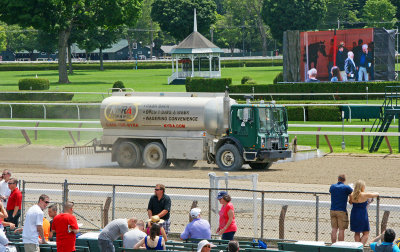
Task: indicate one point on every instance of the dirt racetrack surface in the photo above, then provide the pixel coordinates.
(46, 163)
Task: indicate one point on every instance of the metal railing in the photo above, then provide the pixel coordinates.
(294, 215)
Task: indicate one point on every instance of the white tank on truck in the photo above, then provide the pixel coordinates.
(155, 129)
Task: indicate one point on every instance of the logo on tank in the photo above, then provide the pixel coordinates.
(121, 112)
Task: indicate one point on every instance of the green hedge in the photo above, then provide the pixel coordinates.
(207, 84)
(332, 113)
(322, 87)
(52, 112)
(35, 97)
(131, 65)
(33, 84)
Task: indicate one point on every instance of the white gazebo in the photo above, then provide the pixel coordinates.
(195, 56)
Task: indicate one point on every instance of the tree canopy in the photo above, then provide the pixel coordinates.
(379, 13)
(282, 15)
(60, 17)
(176, 16)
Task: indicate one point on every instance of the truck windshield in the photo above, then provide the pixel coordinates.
(272, 118)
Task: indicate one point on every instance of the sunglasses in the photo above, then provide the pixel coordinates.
(11, 183)
(47, 202)
(207, 246)
(157, 189)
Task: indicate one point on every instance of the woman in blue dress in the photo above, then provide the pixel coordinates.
(153, 242)
(359, 223)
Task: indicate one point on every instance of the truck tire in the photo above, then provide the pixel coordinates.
(228, 158)
(184, 164)
(155, 155)
(129, 154)
(260, 166)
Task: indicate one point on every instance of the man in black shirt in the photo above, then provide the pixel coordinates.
(160, 204)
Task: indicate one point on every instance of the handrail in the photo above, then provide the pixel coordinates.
(47, 121)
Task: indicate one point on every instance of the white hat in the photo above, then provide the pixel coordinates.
(195, 212)
(203, 243)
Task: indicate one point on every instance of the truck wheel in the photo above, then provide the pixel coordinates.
(260, 166)
(228, 158)
(184, 164)
(155, 155)
(129, 155)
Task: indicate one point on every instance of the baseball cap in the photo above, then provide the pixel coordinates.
(221, 194)
(195, 212)
(203, 243)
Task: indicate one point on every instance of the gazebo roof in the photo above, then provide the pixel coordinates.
(196, 43)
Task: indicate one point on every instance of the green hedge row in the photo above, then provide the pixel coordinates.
(197, 84)
(131, 65)
(321, 87)
(33, 84)
(52, 112)
(35, 97)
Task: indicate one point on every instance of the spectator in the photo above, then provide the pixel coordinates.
(359, 222)
(52, 211)
(33, 226)
(365, 62)
(112, 231)
(4, 190)
(233, 246)
(156, 220)
(339, 217)
(340, 59)
(14, 202)
(66, 227)
(198, 228)
(135, 235)
(204, 246)
(160, 204)
(357, 53)
(3, 238)
(335, 74)
(227, 225)
(387, 244)
(46, 229)
(154, 241)
(350, 67)
(312, 75)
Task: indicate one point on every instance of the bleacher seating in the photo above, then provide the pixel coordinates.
(314, 248)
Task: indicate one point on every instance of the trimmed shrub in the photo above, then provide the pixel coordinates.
(324, 113)
(118, 84)
(33, 84)
(296, 113)
(35, 97)
(245, 79)
(278, 78)
(251, 82)
(198, 84)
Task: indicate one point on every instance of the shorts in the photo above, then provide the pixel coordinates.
(339, 219)
(30, 247)
(166, 225)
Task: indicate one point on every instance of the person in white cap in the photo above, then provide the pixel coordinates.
(204, 246)
(198, 228)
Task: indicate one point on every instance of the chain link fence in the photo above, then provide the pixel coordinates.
(289, 215)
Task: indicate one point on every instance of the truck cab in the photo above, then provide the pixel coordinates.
(259, 133)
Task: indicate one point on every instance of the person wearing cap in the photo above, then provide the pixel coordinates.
(156, 220)
(160, 204)
(198, 228)
(227, 225)
(387, 245)
(204, 246)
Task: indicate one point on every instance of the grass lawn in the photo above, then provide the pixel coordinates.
(142, 80)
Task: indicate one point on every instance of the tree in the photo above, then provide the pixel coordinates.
(3, 38)
(61, 16)
(282, 15)
(379, 13)
(99, 38)
(339, 11)
(19, 39)
(396, 3)
(227, 31)
(176, 16)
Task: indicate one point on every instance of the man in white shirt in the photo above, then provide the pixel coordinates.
(134, 235)
(34, 225)
(4, 190)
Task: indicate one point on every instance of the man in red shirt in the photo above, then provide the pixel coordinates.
(66, 227)
(14, 202)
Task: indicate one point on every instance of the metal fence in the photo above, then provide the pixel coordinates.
(292, 215)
